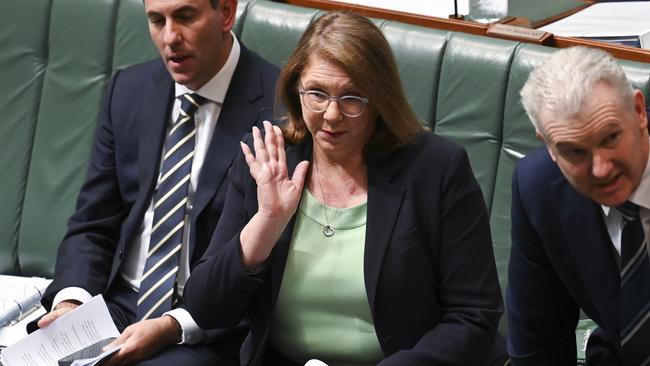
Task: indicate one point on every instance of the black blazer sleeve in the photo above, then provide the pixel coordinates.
(219, 291)
(542, 316)
(462, 302)
(86, 254)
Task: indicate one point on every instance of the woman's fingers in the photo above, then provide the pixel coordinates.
(282, 157)
(248, 155)
(299, 175)
(269, 153)
(269, 141)
(258, 143)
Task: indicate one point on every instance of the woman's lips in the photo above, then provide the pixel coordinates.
(333, 134)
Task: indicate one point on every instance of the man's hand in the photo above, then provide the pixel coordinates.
(144, 339)
(61, 308)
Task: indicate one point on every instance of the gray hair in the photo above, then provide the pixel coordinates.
(562, 83)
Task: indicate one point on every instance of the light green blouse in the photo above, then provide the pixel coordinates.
(322, 310)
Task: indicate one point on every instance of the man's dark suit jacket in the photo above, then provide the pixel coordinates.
(429, 267)
(125, 161)
(562, 260)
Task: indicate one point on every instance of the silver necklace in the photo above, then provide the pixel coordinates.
(328, 229)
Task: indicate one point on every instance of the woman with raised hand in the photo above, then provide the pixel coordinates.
(366, 239)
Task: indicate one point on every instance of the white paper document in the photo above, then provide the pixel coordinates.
(435, 8)
(75, 330)
(607, 20)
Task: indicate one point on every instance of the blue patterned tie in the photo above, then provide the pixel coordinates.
(635, 289)
(157, 286)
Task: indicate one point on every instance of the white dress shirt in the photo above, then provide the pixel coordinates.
(640, 196)
(206, 119)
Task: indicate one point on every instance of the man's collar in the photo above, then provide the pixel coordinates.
(215, 89)
(641, 195)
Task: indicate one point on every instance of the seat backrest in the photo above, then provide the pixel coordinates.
(273, 29)
(57, 56)
(22, 64)
(420, 71)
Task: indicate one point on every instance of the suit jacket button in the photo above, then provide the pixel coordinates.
(120, 254)
(388, 342)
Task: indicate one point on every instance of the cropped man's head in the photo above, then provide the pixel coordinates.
(192, 36)
(594, 124)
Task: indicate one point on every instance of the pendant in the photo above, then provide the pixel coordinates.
(328, 231)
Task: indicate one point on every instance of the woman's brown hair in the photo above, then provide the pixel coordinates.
(355, 44)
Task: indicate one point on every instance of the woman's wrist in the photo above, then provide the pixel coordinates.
(258, 238)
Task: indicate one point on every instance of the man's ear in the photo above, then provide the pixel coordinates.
(640, 110)
(228, 10)
(540, 136)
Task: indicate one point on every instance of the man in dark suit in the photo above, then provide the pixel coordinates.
(110, 238)
(568, 220)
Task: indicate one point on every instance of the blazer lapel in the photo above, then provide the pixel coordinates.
(154, 116)
(152, 119)
(384, 203)
(591, 249)
(238, 114)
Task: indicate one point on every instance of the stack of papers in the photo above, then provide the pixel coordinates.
(438, 8)
(625, 23)
(78, 329)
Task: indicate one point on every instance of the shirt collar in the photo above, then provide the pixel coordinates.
(215, 89)
(641, 195)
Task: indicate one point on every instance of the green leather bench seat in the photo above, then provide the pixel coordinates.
(273, 30)
(57, 56)
(420, 71)
(23, 64)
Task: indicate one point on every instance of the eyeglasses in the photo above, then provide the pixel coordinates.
(317, 102)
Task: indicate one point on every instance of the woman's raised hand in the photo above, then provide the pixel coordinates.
(277, 194)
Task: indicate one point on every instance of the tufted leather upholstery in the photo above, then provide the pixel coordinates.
(57, 55)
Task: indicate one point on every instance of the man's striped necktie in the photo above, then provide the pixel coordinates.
(161, 266)
(635, 289)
